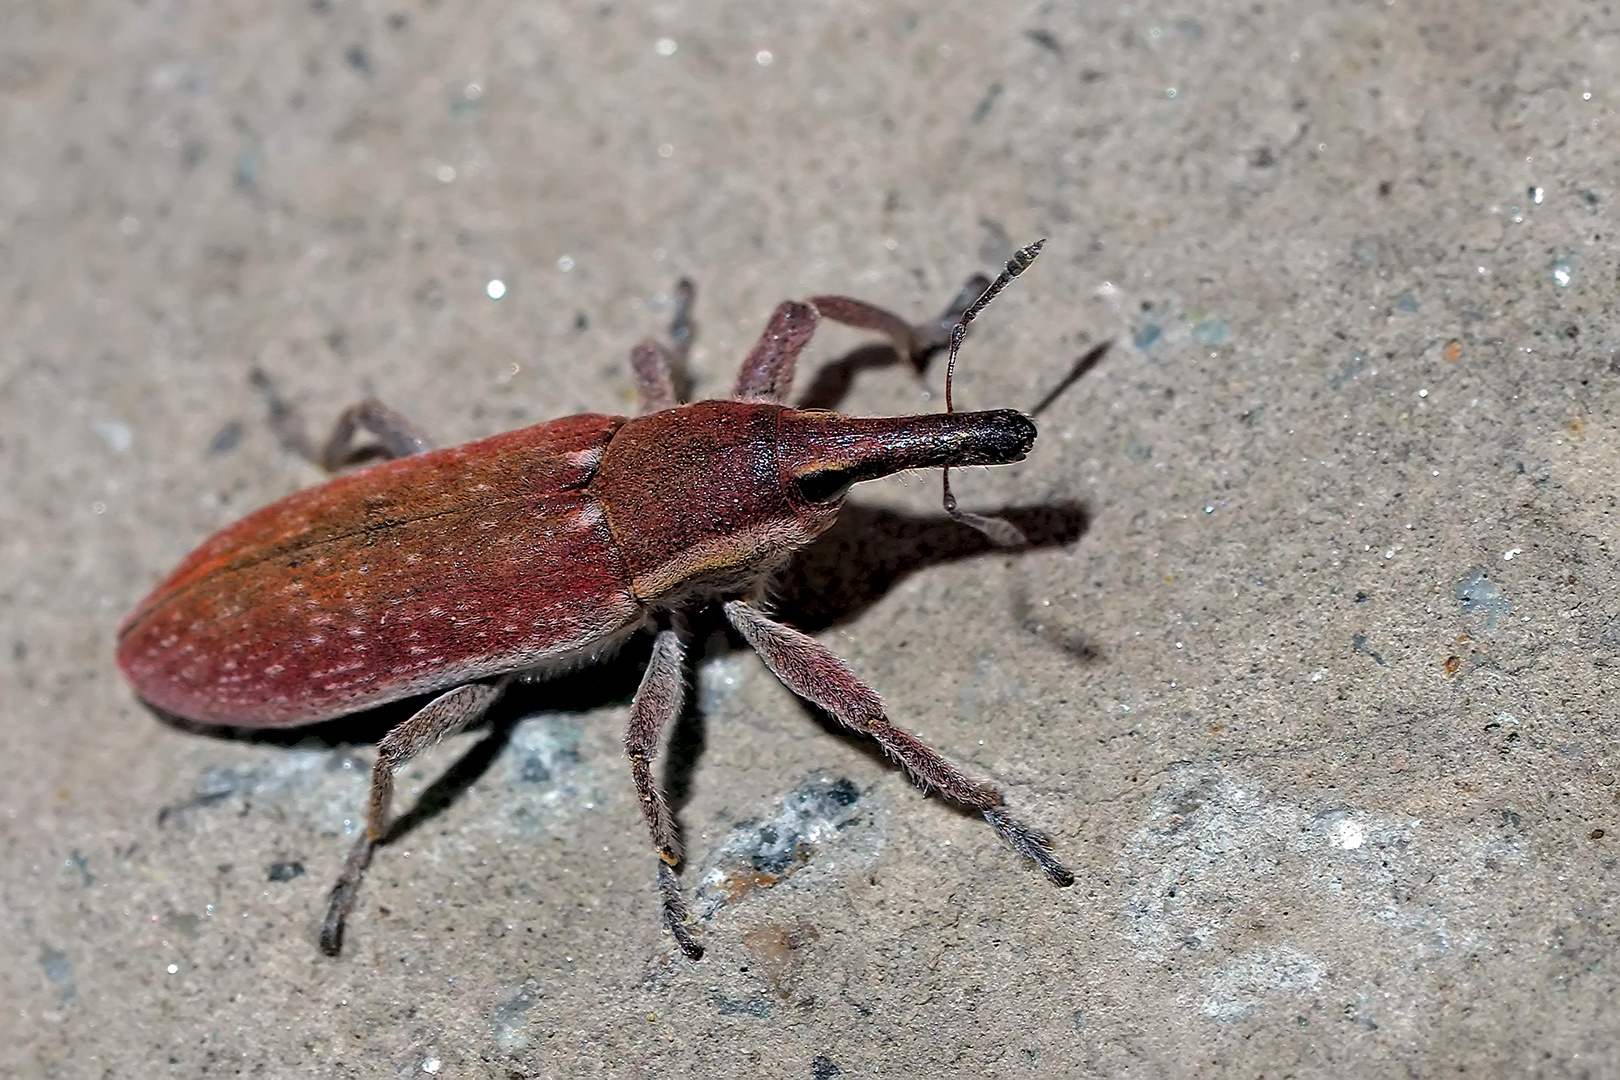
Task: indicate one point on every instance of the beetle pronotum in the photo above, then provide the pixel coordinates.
(452, 572)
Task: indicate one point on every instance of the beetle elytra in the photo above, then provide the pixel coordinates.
(451, 572)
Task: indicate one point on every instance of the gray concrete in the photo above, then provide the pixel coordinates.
(1315, 703)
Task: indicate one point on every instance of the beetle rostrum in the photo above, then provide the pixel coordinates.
(451, 572)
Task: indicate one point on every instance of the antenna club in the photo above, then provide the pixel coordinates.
(1024, 256)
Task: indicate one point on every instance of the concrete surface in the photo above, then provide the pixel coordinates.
(1309, 678)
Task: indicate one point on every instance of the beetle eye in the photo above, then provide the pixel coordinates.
(824, 485)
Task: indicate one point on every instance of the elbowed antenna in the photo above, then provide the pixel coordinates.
(1000, 531)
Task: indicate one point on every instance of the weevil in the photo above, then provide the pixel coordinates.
(448, 573)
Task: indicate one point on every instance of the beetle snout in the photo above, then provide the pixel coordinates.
(825, 453)
(995, 438)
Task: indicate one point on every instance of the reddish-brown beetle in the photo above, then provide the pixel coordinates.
(451, 572)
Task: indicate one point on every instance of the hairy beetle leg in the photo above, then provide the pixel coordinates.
(660, 371)
(767, 373)
(396, 436)
(659, 700)
(653, 366)
(806, 667)
(445, 715)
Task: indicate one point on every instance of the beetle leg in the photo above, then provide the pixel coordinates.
(680, 323)
(863, 316)
(396, 436)
(654, 369)
(808, 669)
(660, 371)
(913, 343)
(659, 700)
(445, 715)
(767, 373)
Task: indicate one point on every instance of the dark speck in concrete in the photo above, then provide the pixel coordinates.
(735, 1007)
(508, 1017)
(534, 770)
(986, 103)
(1045, 40)
(284, 871)
(1478, 595)
(56, 965)
(58, 971)
(226, 438)
(247, 169)
(760, 854)
(822, 1067)
(1359, 643)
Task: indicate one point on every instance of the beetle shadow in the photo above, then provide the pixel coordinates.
(869, 550)
(834, 379)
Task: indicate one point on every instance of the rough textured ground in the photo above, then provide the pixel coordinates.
(1308, 675)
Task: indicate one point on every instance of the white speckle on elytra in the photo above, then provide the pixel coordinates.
(585, 459)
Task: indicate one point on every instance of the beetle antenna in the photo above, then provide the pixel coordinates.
(1000, 531)
(1016, 265)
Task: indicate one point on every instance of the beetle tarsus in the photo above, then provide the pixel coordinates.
(662, 381)
(669, 890)
(681, 330)
(396, 436)
(999, 531)
(285, 422)
(1032, 844)
(344, 892)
